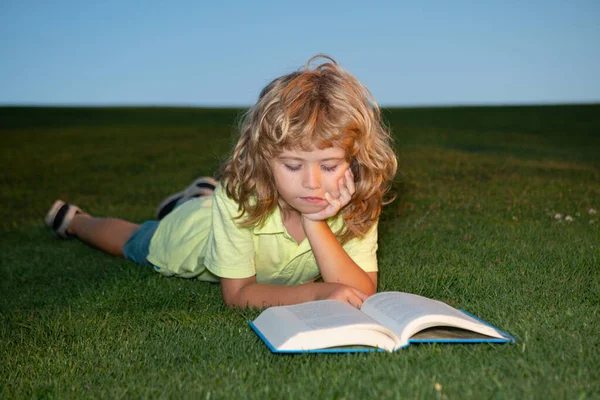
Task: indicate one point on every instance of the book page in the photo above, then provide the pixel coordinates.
(321, 324)
(405, 314)
(329, 314)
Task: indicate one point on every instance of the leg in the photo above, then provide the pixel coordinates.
(106, 234)
(204, 186)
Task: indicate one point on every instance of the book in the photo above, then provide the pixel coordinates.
(387, 321)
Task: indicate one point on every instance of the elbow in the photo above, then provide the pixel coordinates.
(229, 303)
(237, 300)
(370, 290)
(232, 300)
(373, 283)
(369, 286)
(235, 291)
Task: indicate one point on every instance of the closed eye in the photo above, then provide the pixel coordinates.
(292, 167)
(326, 168)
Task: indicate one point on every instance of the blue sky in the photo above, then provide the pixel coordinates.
(220, 53)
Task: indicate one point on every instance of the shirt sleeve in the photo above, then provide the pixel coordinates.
(363, 251)
(230, 249)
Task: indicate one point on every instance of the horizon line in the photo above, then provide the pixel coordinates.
(244, 106)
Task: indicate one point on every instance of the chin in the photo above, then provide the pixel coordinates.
(309, 209)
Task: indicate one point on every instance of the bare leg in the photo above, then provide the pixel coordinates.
(106, 234)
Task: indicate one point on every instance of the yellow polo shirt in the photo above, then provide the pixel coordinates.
(200, 239)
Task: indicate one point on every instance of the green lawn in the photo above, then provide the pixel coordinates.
(475, 225)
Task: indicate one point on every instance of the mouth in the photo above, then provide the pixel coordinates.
(311, 199)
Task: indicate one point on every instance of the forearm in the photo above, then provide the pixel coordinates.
(262, 295)
(334, 263)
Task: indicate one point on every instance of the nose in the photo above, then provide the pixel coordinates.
(311, 178)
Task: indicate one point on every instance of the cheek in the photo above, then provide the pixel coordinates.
(332, 184)
(284, 180)
(279, 174)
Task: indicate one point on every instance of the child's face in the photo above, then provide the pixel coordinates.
(303, 177)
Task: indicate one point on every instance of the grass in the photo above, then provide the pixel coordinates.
(474, 225)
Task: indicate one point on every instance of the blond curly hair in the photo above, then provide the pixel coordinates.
(317, 107)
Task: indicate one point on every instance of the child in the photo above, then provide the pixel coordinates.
(299, 197)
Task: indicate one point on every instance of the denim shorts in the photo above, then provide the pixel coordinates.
(138, 246)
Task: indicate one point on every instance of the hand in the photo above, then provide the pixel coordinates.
(347, 189)
(338, 291)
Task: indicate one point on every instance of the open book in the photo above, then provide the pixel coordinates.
(387, 321)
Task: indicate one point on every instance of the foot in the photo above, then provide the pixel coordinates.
(59, 218)
(204, 186)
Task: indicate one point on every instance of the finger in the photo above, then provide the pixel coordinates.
(355, 301)
(360, 294)
(345, 194)
(335, 204)
(350, 181)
